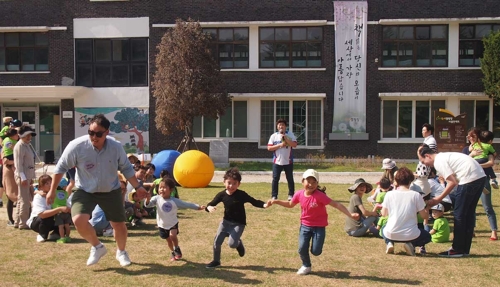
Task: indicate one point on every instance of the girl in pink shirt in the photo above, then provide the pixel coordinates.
(313, 218)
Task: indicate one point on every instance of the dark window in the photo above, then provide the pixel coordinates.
(111, 62)
(471, 43)
(415, 46)
(287, 47)
(24, 52)
(229, 47)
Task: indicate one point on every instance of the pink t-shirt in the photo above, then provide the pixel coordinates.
(313, 208)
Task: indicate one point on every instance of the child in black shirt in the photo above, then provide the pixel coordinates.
(234, 220)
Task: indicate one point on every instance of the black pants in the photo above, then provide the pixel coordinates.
(10, 210)
(43, 226)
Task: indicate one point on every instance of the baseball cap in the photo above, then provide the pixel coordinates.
(311, 172)
(438, 206)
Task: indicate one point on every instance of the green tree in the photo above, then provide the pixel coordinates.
(187, 81)
(490, 66)
(132, 120)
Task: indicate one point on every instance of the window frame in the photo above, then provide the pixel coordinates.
(290, 43)
(264, 136)
(35, 50)
(130, 63)
(415, 44)
(216, 42)
(415, 131)
(218, 131)
(476, 42)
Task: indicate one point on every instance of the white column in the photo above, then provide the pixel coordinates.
(453, 44)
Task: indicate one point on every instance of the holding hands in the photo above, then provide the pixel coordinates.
(211, 208)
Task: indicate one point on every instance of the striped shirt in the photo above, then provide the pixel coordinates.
(96, 170)
(431, 142)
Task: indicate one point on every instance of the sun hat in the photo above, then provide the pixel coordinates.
(309, 173)
(7, 120)
(359, 182)
(26, 130)
(388, 163)
(438, 206)
(131, 196)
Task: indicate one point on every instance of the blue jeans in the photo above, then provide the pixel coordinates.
(421, 240)
(277, 169)
(464, 213)
(367, 223)
(306, 234)
(488, 206)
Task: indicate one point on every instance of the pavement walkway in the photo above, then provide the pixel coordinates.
(266, 176)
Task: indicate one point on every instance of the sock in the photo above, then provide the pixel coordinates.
(100, 245)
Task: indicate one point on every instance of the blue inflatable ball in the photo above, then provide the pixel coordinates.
(165, 160)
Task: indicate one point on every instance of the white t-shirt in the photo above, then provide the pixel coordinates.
(39, 205)
(282, 156)
(403, 206)
(465, 168)
(437, 189)
(166, 210)
(431, 142)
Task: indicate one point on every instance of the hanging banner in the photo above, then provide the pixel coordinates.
(349, 112)
(450, 131)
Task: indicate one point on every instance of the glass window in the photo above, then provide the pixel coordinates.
(22, 52)
(304, 120)
(291, 47)
(415, 46)
(471, 46)
(233, 124)
(111, 62)
(404, 119)
(496, 121)
(230, 47)
(477, 113)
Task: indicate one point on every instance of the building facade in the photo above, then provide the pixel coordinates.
(63, 61)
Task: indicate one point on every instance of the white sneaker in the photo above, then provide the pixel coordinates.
(108, 232)
(122, 257)
(304, 270)
(96, 254)
(39, 238)
(410, 250)
(390, 248)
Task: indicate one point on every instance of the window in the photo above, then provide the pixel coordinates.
(404, 119)
(230, 47)
(291, 47)
(24, 52)
(415, 46)
(471, 45)
(303, 117)
(233, 124)
(111, 62)
(478, 113)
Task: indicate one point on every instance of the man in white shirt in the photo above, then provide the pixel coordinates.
(468, 176)
(427, 133)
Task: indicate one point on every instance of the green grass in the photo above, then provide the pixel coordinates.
(271, 253)
(337, 166)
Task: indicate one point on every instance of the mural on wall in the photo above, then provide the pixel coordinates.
(130, 126)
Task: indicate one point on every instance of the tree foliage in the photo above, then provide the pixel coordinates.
(490, 66)
(187, 81)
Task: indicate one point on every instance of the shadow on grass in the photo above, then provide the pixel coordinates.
(346, 275)
(189, 269)
(270, 270)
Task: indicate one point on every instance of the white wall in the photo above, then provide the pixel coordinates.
(128, 97)
(111, 27)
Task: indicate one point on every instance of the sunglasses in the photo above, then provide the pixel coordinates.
(97, 134)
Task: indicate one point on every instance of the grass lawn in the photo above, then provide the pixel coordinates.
(335, 166)
(271, 253)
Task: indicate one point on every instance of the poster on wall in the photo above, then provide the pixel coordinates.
(130, 126)
(349, 112)
(450, 131)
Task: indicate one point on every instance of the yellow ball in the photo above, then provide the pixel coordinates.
(193, 168)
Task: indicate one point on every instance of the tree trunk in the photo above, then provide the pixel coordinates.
(187, 140)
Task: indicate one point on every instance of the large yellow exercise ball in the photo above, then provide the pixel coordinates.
(193, 168)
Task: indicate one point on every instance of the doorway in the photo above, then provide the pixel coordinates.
(28, 116)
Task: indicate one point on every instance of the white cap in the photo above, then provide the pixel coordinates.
(438, 206)
(311, 172)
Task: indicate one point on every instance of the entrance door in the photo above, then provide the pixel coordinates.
(28, 116)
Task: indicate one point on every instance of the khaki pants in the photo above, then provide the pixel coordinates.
(24, 199)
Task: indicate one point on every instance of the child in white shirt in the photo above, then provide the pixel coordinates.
(166, 214)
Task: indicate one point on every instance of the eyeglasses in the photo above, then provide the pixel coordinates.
(97, 134)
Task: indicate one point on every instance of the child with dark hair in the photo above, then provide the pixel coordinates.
(234, 220)
(164, 174)
(166, 215)
(485, 144)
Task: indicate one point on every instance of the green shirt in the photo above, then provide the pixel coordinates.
(8, 147)
(60, 199)
(382, 221)
(156, 184)
(380, 197)
(3, 132)
(442, 229)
